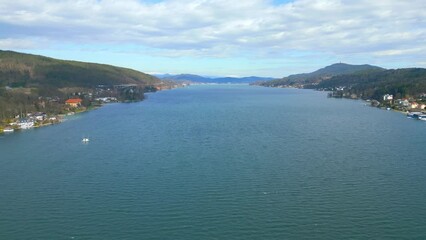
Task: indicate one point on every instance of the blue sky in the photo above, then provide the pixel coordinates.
(219, 37)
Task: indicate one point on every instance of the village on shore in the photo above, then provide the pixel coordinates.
(413, 107)
(103, 94)
(79, 102)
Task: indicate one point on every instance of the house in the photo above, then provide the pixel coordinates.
(25, 123)
(73, 102)
(414, 105)
(403, 102)
(40, 116)
(106, 99)
(388, 97)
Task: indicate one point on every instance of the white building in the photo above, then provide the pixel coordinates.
(25, 124)
(388, 97)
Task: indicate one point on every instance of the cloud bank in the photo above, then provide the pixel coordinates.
(385, 29)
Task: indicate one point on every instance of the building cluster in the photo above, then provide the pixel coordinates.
(415, 108)
(78, 100)
(106, 99)
(37, 119)
(404, 103)
(31, 120)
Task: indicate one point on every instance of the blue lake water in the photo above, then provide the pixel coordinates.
(218, 162)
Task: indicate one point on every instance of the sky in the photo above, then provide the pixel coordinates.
(270, 38)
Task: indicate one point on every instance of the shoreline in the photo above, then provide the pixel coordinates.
(60, 118)
(367, 102)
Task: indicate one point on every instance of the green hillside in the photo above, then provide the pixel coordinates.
(31, 83)
(26, 70)
(319, 75)
(401, 83)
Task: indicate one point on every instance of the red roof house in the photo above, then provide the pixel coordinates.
(73, 102)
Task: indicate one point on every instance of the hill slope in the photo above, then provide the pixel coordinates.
(31, 83)
(26, 70)
(320, 74)
(407, 82)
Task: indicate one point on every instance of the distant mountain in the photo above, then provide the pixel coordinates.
(201, 79)
(27, 70)
(184, 77)
(320, 74)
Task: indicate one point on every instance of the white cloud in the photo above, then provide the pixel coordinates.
(399, 52)
(219, 28)
(10, 43)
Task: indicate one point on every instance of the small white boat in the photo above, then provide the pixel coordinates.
(85, 140)
(8, 130)
(414, 114)
(422, 117)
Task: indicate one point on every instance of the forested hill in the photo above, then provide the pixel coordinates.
(319, 75)
(31, 84)
(407, 82)
(32, 71)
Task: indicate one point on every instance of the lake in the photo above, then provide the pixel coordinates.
(218, 162)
